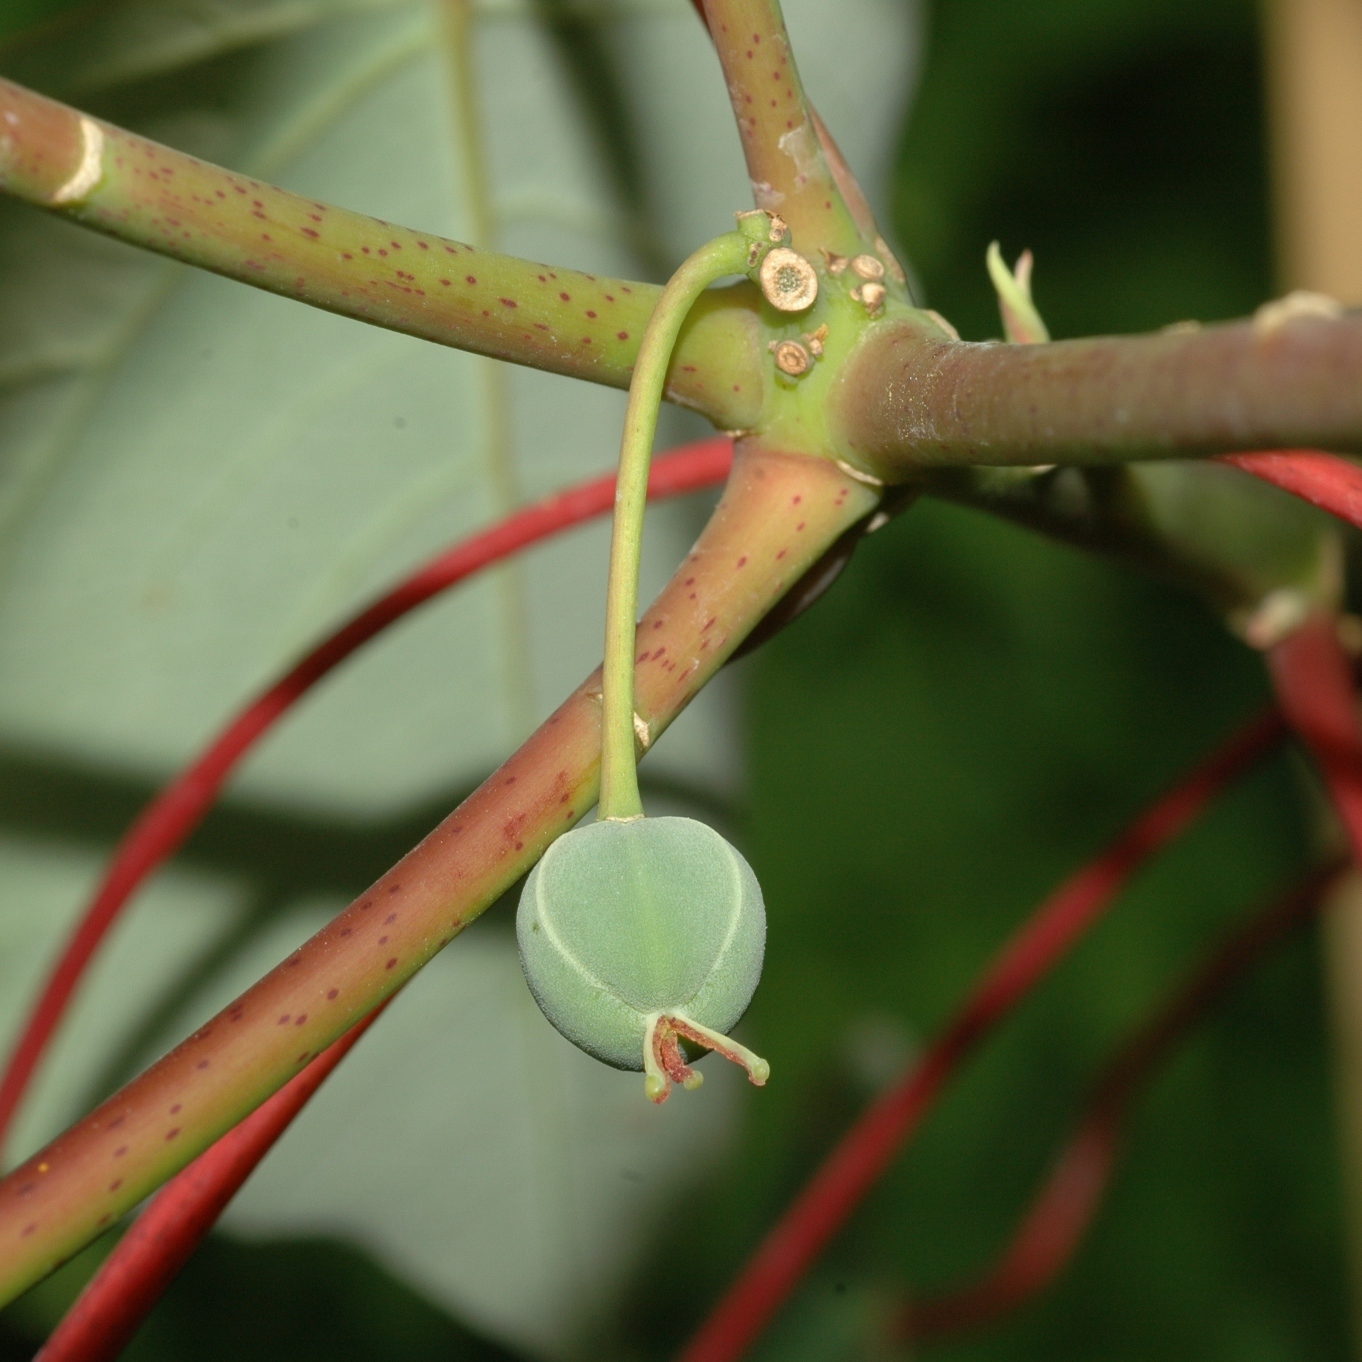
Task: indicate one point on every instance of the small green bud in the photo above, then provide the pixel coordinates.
(637, 934)
(1021, 321)
(761, 228)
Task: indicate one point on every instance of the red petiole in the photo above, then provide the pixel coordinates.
(1068, 1201)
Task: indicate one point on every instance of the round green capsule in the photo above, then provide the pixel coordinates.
(637, 934)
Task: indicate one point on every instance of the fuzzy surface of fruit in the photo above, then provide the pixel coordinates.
(637, 934)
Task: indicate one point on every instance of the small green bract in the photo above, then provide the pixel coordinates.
(636, 934)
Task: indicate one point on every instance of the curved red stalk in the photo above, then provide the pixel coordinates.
(1332, 483)
(867, 1150)
(169, 819)
(163, 1238)
(1044, 1242)
(1314, 680)
(1066, 1204)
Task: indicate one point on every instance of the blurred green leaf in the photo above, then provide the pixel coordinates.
(19, 15)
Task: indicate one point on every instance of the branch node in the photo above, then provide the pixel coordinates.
(90, 170)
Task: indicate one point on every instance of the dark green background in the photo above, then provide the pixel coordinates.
(969, 715)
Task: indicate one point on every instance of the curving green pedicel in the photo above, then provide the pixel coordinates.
(638, 933)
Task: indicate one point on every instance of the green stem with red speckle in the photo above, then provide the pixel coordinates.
(785, 161)
(559, 320)
(906, 398)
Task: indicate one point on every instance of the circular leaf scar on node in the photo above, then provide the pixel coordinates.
(788, 281)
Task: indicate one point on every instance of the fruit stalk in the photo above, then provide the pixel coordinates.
(727, 254)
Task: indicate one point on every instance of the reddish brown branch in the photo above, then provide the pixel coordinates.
(170, 818)
(1045, 1241)
(867, 1150)
(1324, 480)
(1314, 681)
(910, 399)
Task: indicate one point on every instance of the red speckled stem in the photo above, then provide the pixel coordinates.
(149, 1257)
(867, 1150)
(1063, 1210)
(1313, 678)
(180, 807)
(785, 160)
(778, 515)
(852, 194)
(560, 320)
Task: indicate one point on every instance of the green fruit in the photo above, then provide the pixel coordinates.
(636, 934)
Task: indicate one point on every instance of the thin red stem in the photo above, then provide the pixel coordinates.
(1325, 480)
(170, 818)
(1044, 1242)
(1314, 680)
(163, 1238)
(1063, 1210)
(867, 1150)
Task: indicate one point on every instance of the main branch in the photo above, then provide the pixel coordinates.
(911, 399)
